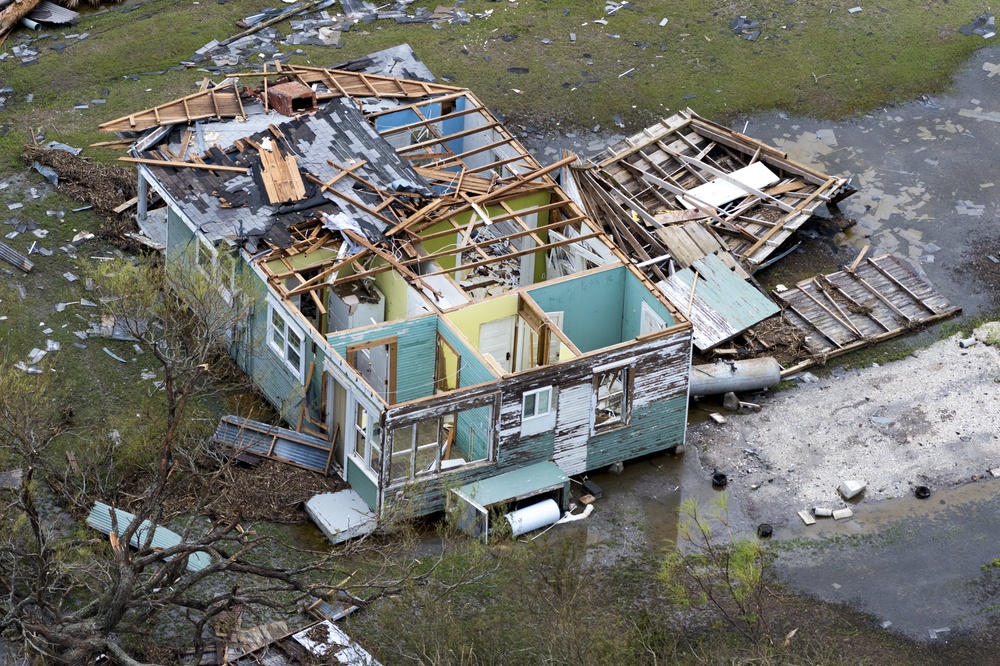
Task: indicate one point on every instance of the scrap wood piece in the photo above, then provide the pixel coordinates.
(14, 12)
(220, 102)
(177, 164)
(281, 176)
(884, 297)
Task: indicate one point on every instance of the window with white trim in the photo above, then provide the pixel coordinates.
(217, 267)
(286, 340)
(612, 398)
(538, 411)
(367, 440)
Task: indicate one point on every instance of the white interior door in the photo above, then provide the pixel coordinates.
(496, 338)
(650, 321)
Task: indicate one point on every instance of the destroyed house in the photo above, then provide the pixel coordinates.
(439, 318)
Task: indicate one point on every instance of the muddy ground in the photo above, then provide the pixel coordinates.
(928, 184)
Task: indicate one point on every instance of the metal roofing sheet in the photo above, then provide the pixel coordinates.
(274, 442)
(100, 520)
(522, 482)
(724, 305)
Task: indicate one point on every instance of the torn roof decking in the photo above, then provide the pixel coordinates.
(645, 181)
(877, 299)
(225, 102)
(342, 161)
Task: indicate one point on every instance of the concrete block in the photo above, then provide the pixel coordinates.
(807, 517)
(841, 514)
(821, 512)
(718, 418)
(852, 488)
(731, 402)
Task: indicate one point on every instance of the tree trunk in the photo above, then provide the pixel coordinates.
(14, 12)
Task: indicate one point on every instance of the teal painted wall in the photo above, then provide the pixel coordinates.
(592, 305)
(268, 371)
(416, 352)
(473, 433)
(361, 484)
(655, 426)
(178, 235)
(635, 292)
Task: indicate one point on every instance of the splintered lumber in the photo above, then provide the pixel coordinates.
(872, 300)
(281, 176)
(221, 102)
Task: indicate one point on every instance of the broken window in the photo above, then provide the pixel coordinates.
(612, 393)
(285, 340)
(367, 440)
(442, 443)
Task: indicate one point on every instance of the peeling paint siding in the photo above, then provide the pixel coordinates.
(361, 484)
(659, 417)
(655, 427)
(573, 427)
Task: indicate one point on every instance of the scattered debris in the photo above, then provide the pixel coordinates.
(985, 26)
(842, 514)
(851, 488)
(807, 517)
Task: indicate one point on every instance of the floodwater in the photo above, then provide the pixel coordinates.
(928, 186)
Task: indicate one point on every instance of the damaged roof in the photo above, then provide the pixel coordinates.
(686, 167)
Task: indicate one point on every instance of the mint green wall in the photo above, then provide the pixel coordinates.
(592, 305)
(416, 341)
(361, 484)
(473, 371)
(635, 293)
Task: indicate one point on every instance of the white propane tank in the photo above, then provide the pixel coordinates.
(533, 517)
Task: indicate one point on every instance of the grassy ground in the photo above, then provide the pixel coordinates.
(812, 57)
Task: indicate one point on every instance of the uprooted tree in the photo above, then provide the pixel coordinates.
(67, 594)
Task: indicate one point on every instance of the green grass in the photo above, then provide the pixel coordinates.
(812, 58)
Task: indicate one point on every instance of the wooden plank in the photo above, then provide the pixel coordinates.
(183, 165)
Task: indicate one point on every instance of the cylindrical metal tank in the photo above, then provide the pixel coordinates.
(750, 374)
(533, 517)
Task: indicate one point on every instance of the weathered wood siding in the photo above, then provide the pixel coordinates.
(178, 235)
(659, 415)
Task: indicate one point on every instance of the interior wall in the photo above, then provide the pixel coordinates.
(635, 294)
(470, 318)
(592, 307)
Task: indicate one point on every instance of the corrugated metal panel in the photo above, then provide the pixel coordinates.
(100, 520)
(48, 12)
(15, 258)
(723, 306)
(362, 484)
(523, 482)
(274, 442)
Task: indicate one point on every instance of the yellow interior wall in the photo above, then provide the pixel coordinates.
(469, 318)
(394, 288)
(565, 352)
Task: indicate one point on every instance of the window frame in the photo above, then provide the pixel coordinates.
(280, 344)
(538, 422)
(625, 419)
(207, 254)
(371, 435)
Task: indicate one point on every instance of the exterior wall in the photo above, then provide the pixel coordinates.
(362, 485)
(658, 417)
(268, 371)
(179, 235)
